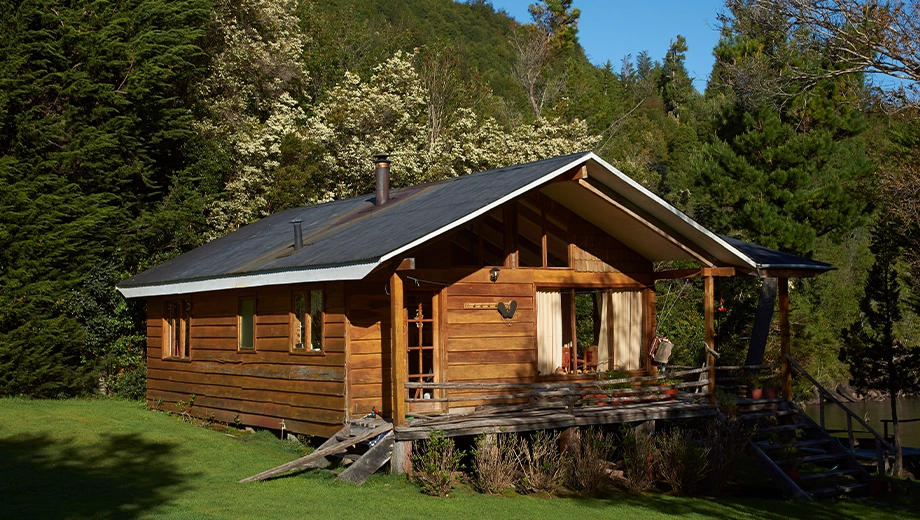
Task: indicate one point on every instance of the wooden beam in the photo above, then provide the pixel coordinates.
(695, 273)
(784, 337)
(575, 174)
(710, 333)
(543, 277)
(719, 271)
(651, 325)
(407, 264)
(398, 349)
(652, 227)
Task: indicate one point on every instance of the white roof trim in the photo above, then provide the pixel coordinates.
(321, 274)
(676, 212)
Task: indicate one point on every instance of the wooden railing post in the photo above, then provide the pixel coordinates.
(784, 337)
(398, 350)
(709, 311)
(879, 458)
(821, 408)
(850, 434)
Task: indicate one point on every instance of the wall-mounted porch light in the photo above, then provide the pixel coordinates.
(493, 274)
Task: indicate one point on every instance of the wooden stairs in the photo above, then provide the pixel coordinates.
(376, 432)
(803, 459)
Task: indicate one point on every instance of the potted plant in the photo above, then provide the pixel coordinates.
(769, 386)
(667, 390)
(755, 386)
(612, 387)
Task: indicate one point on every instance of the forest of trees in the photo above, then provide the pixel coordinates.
(133, 131)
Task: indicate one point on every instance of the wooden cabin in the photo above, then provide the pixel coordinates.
(288, 322)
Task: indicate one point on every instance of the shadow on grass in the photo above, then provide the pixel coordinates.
(120, 477)
(774, 507)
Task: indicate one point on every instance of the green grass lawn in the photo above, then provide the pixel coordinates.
(115, 459)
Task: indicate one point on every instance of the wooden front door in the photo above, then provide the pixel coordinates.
(422, 344)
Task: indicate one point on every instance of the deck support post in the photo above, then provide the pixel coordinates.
(401, 459)
(398, 350)
(709, 312)
(784, 338)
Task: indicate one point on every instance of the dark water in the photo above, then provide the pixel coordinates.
(908, 408)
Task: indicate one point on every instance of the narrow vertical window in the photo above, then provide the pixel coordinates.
(316, 320)
(299, 325)
(247, 323)
(307, 321)
(176, 329)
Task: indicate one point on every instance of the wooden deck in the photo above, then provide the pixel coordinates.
(513, 418)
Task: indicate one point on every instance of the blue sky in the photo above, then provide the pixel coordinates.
(611, 29)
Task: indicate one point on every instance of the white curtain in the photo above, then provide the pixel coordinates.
(605, 309)
(627, 329)
(549, 331)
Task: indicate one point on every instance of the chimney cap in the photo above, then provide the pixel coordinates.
(382, 157)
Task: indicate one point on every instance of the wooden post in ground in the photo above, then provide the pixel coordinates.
(709, 311)
(649, 299)
(784, 337)
(398, 352)
(401, 459)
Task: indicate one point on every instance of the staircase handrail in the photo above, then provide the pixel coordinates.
(826, 393)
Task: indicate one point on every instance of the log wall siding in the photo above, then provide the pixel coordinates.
(369, 369)
(262, 387)
(481, 345)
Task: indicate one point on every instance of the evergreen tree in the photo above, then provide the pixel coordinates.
(94, 123)
(877, 357)
(674, 83)
(778, 174)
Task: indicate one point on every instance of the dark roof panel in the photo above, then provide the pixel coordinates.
(772, 259)
(348, 231)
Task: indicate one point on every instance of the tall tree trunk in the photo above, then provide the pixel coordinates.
(762, 320)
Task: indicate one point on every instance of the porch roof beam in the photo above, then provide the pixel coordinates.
(695, 273)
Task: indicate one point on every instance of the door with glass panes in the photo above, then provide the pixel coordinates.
(422, 356)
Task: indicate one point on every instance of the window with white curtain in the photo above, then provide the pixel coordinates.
(620, 336)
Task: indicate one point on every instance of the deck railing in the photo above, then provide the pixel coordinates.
(600, 392)
(737, 378)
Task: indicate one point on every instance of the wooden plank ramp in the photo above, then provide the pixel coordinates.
(370, 462)
(348, 436)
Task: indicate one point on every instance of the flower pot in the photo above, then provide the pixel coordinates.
(756, 393)
(769, 393)
(601, 396)
(794, 474)
(669, 394)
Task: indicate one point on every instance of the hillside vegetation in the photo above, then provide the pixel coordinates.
(135, 131)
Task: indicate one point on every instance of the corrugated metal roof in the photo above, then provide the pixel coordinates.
(347, 232)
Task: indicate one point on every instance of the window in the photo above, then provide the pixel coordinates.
(176, 319)
(246, 328)
(307, 321)
(568, 319)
